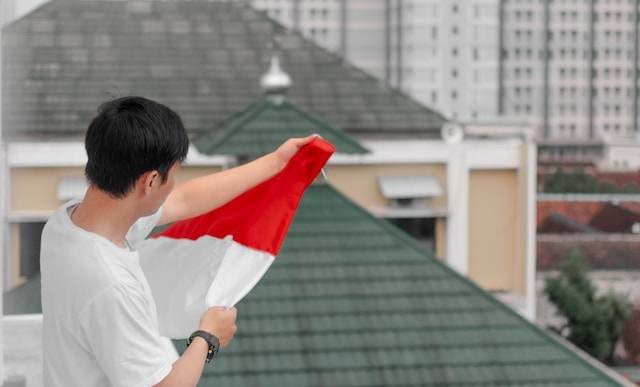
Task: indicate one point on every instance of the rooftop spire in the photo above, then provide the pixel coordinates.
(275, 83)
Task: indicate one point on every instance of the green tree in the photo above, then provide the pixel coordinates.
(581, 182)
(593, 323)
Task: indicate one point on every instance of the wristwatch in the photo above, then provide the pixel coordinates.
(212, 340)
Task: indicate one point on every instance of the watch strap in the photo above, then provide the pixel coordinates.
(212, 341)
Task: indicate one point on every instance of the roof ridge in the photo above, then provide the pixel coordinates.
(244, 115)
(327, 126)
(271, 115)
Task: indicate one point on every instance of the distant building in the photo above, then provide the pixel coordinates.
(443, 53)
(583, 56)
(481, 59)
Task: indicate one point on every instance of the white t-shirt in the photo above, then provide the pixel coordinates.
(99, 318)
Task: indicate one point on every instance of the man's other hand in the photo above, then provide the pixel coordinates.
(285, 152)
(220, 322)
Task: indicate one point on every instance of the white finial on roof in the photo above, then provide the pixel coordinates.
(275, 82)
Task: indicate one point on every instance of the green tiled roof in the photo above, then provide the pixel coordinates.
(23, 299)
(264, 125)
(204, 59)
(353, 301)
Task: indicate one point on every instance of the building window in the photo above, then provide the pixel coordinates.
(422, 229)
(29, 248)
(411, 204)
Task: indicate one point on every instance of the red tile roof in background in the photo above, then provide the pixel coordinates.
(581, 212)
(631, 206)
(605, 240)
(612, 247)
(615, 218)
(601, 251)
(560, 224)
(604, 216)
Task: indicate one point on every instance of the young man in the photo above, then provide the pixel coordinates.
(99, 318)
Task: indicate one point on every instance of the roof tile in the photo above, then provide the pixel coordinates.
(111, 48)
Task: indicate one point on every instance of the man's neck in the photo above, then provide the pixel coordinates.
(104, 215)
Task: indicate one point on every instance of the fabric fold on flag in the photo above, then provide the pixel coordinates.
(216, 258)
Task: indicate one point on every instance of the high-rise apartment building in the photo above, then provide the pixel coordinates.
(571, 66)
(442, 52)
(567, 66)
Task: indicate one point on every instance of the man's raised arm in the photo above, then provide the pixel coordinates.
(200, 195)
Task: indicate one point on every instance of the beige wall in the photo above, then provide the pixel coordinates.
(497, 210)
(14, 257)
(187, 173)
(493, 235)
(498, 226)
(36, 189)
(359, 182)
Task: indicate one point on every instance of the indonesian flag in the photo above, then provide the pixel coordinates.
(215, 259)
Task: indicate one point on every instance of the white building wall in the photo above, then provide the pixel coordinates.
(451, 51)
(317, 20)
(614, 64)
(362, 39)
(620, 156)
(522, 71)
(365, 35)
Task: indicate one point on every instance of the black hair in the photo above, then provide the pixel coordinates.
(131, 136)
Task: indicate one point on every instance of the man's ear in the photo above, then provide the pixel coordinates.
(149, 181)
